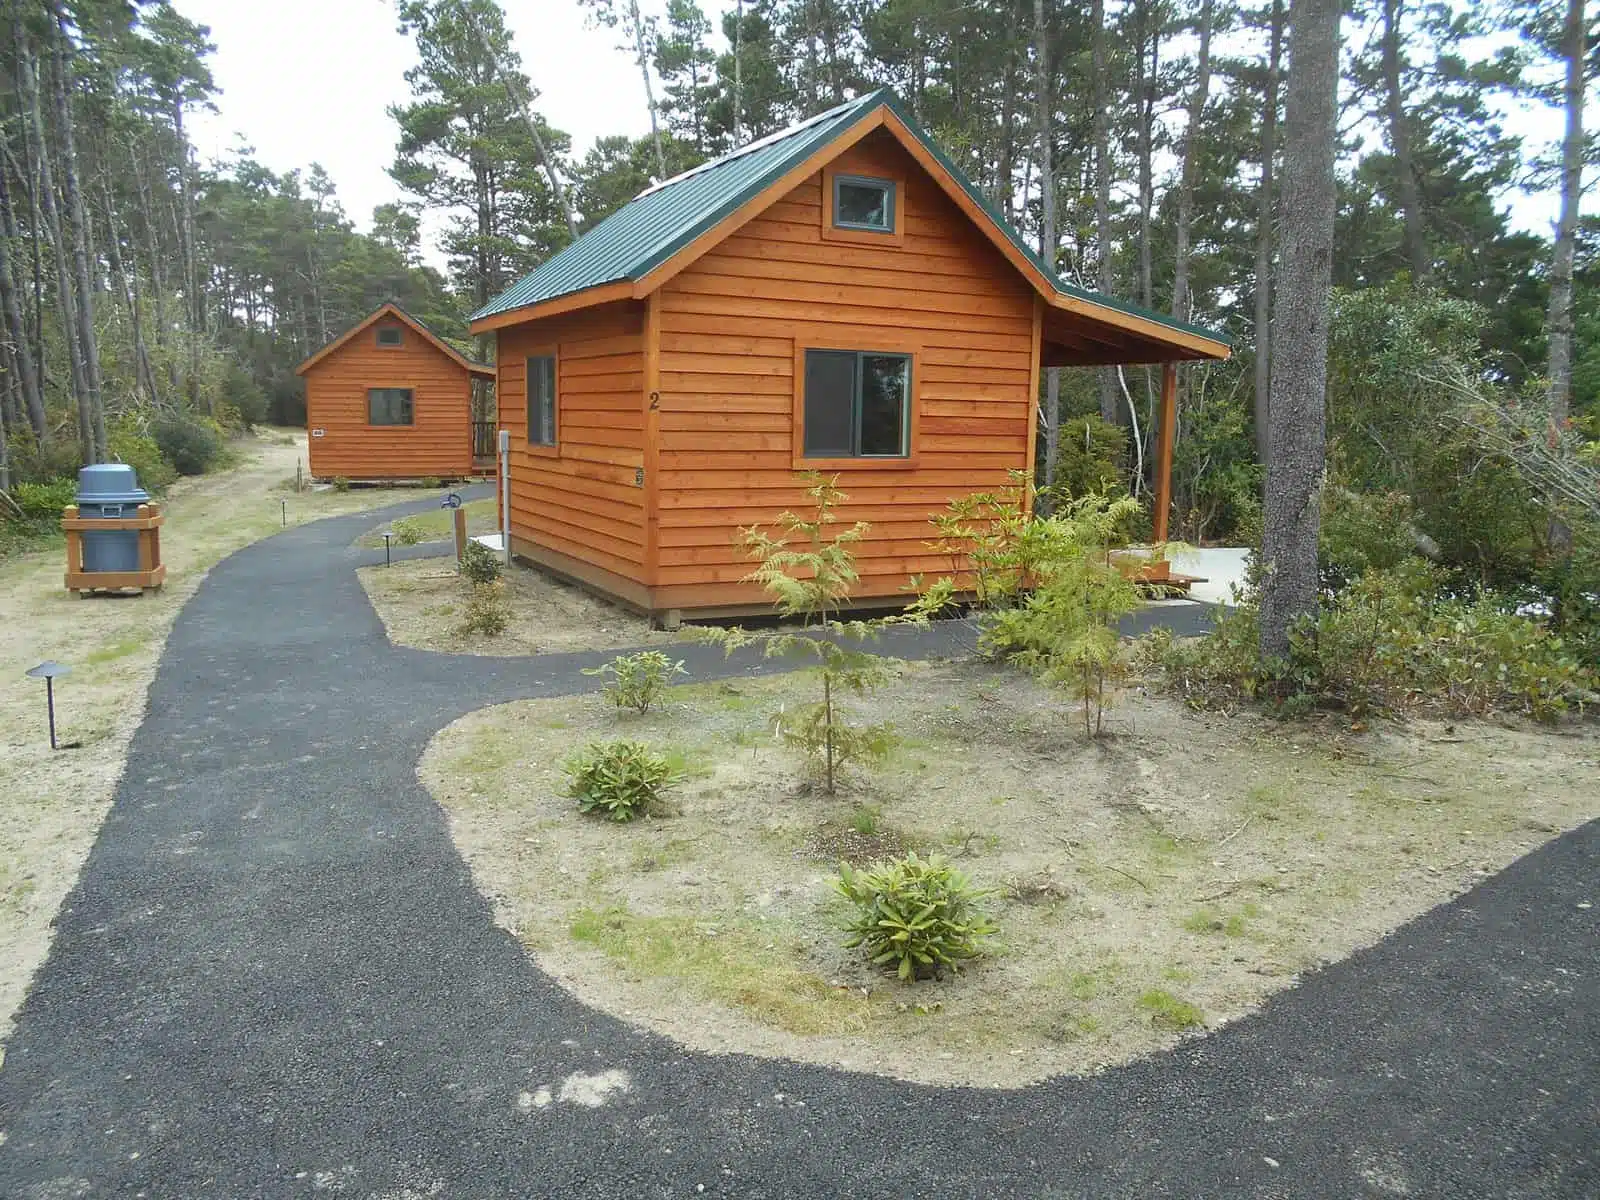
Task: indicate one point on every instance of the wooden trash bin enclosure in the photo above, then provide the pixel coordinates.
(151, 572)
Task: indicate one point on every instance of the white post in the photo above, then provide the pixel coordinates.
(505, 494)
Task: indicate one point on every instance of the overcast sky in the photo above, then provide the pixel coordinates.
(311, 80)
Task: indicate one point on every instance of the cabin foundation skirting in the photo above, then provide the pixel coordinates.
(671, 604)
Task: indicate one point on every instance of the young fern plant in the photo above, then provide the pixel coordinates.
(808, 567)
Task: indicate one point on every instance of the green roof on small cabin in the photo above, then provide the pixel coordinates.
(666, 217)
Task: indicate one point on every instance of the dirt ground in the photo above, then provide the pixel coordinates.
(55, 802)
(1155, 884)
(420, 603)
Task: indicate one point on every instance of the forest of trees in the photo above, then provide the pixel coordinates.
(1141, 144)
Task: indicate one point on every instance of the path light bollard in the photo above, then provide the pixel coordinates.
(387, 534)
(50, 671)
(285, 505)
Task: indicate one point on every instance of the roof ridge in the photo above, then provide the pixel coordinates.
(762, 143)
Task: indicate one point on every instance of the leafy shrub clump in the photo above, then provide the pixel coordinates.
(1091, 457)
(486, 610)
(44, 501)
(341, 484)
(140, 451)
(478, 564)
(1394, 641)
(920, 916)
(407, 531)
(191, 446)
(619, 780)
(637, 681)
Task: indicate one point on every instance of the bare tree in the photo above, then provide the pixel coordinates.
(524, 102)
(1298, 447)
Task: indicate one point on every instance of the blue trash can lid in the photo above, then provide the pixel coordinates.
(110, 483)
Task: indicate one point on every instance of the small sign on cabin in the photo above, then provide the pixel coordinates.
(318, 432)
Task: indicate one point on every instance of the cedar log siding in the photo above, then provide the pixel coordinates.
(438, 442)
(732, 328)
(577, 506)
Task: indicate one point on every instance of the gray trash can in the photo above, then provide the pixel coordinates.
(108, 491)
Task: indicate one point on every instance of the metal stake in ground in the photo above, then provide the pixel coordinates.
(48, 671)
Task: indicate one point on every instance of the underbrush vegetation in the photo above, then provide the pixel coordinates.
(407, 531)
(620, 780)
(918, 917)
(637, 681)
(479, 564)
(1393, 641)
(486, 610)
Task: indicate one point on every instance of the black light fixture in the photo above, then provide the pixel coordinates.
(49, 671)
(387, 534)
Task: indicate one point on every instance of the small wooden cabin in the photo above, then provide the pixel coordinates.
(834, 297)
(390, 399)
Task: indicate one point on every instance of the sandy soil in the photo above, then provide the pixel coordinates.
(420, 603)
(1165, 880)
(55, 802)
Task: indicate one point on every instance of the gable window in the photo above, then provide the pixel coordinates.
(862, 203)
(389, 406)
(542, 400)
(857, 404)
(389, 335)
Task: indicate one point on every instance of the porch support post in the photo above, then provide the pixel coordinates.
(1164, 440)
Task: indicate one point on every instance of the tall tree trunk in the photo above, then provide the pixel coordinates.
(1297, 457)
(738, 73)
(1181, 303)
(1148, 35)
(78, 223)
(1047, 221)
(128, 287)
(50, 227)
(1405, 167)
(1005, 198)
(524, 103)
(1102, 183)
(1560, 318)
(642, 56)
(1269, 152)
(27, 373)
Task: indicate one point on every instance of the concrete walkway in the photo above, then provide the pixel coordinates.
(275, 978)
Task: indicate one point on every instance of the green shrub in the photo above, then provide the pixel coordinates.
(432, 481)
(341, 484)
(192, 445)
(43, 502)
(1393, 641)
(920, 916)
(618, 780)
(1091, 457)
(1361, 531)
(1168, 1012)
(479, 564)
(486, 610)
(245, 396)
(639, 680)
(407, 531)
(141, 452)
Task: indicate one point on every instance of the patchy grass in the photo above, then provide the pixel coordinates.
(57, 801)
(439, 525)
(1146, 887)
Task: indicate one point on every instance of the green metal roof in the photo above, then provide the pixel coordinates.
(663, 219)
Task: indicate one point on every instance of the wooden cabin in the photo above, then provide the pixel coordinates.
(834, 297)
(390, 399)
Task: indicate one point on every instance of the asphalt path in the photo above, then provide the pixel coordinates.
(275, 978)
